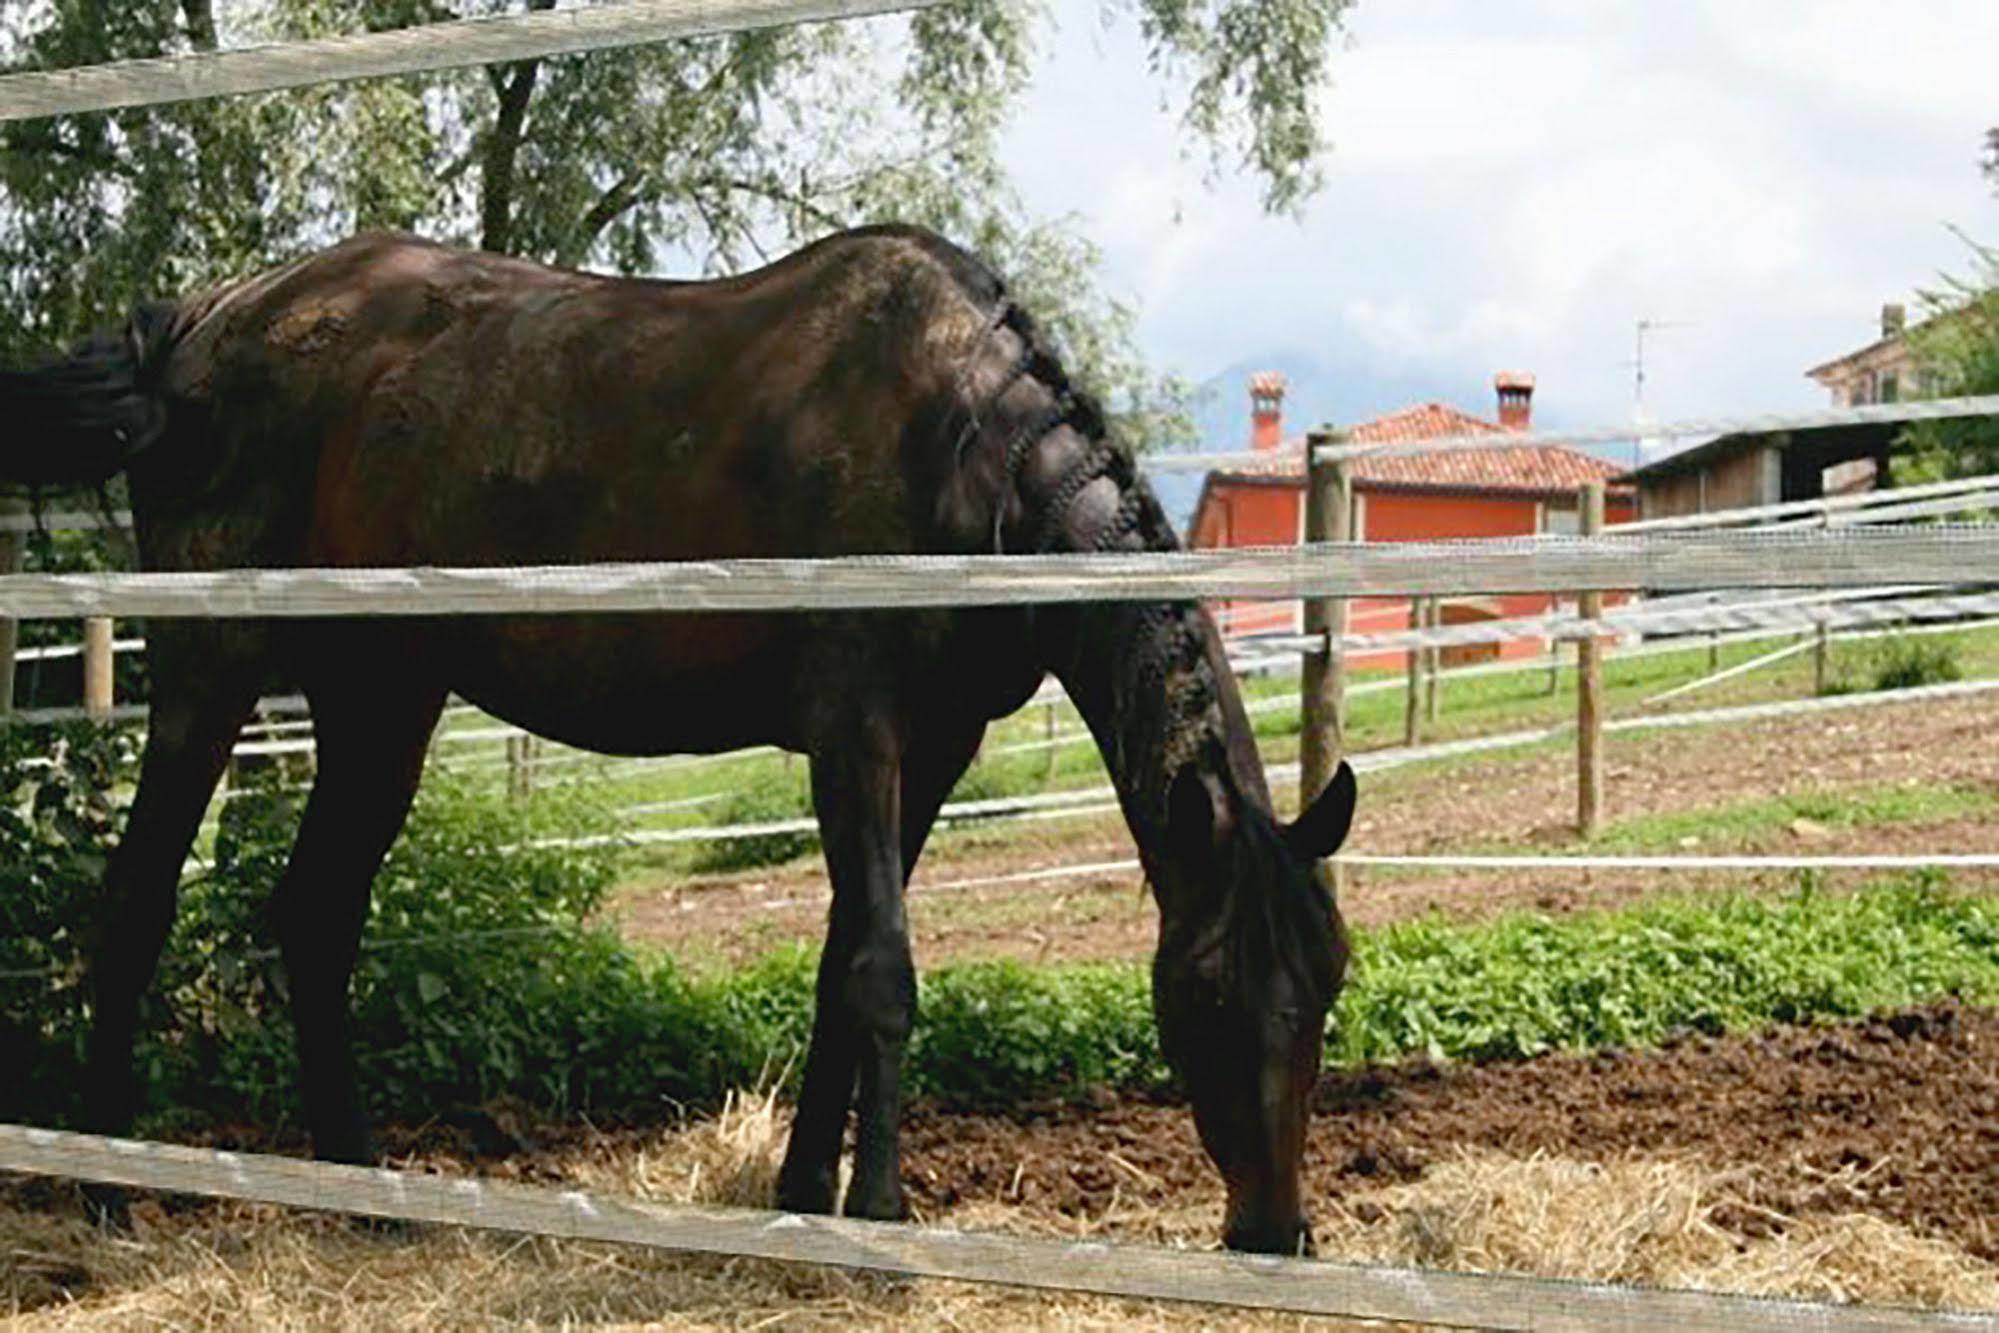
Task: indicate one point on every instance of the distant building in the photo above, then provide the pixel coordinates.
(1880, 372)
(1771, 467)
(1405, 497)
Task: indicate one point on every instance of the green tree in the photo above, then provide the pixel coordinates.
(1956, 347)
(726, 150)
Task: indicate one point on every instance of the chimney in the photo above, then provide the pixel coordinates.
(1516, 398)
(1893, 318)
(1266, 409)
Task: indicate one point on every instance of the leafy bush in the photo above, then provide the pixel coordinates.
(1527, 984)
(474, 925)
(1905, 661)
(479, 957)
(771, 796)
(990, 1034)
(57, 817)
(1898, 662)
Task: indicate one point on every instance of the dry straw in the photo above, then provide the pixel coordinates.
(229, 1266)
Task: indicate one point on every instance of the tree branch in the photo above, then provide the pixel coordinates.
(610, 205)
(503, 146)
(774, 193)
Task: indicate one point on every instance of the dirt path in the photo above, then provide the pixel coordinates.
(1514, 799)
(1897, 1116)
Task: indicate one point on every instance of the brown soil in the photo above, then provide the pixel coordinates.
(1525, 798)
(1897, 1116)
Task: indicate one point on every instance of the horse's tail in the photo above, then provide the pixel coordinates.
(79, 419)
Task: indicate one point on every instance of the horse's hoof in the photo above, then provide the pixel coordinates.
(805, 1192)
(877, 1205)
(107, 1206)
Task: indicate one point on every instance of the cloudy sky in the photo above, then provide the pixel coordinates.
(1514, 183)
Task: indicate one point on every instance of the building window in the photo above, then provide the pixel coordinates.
(1888, 387)
(1561, 522)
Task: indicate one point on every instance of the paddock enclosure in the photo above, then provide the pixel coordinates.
(1672, 1002)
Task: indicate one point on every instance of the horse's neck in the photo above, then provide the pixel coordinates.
(1149, 678)
(1144, 680)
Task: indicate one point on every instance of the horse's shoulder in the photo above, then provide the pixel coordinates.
(899, 254)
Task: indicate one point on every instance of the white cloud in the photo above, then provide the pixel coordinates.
(1516, 182)
(1932, 59)
(1443, 103)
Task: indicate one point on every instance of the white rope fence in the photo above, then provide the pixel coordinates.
(423, 49)
(1863, 506)
(1692, 864)
(1836, 610)
(1142, 1272)
(1925, 861)
(1102, 798)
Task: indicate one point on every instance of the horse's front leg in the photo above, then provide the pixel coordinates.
(867, 986)
(371, 740)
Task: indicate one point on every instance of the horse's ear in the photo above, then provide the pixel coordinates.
(1194, 813)
(1323, 826)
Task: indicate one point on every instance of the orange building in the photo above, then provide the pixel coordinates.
(1406, 497)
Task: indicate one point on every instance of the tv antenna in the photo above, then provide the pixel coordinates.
(1639, 415)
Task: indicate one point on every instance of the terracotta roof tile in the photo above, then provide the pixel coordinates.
(1533, 469)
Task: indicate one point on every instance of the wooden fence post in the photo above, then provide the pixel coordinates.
(1554, 650)
(1412, 709)
(1589, 687)
(11, 545)
(520, 774)
(1328, 518)
(1433, 662)
(97, 673)
(1048, 742)
(1822, 647)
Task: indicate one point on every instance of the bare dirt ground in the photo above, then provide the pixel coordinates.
(1897, 1116)
(1858, 1161)
(1523, 799)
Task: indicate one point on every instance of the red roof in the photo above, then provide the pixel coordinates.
(1537, 469)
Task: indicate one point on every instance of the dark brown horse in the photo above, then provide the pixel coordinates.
(391, 402)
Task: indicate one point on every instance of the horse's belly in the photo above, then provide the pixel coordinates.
(634, 684)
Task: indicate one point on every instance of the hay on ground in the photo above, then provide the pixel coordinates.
(224, 1266)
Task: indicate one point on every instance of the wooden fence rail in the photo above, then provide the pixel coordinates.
(1299, 1285)
(421, 49)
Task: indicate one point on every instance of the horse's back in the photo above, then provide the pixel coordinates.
(392, 402)
(448, 406)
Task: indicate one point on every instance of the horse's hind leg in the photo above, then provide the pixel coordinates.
(370, 750)
(195, 716)
(203, 686)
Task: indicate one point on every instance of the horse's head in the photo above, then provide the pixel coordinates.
(1250, 957)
